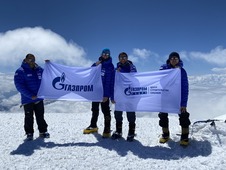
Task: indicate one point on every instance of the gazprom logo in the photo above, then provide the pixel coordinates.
(58, 84)
(144, 90)
(136, 91)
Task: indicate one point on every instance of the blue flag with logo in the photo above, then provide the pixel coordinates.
(61, 82)
(158, 91)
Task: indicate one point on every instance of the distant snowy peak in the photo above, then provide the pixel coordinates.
(204, 90)
(210, 80)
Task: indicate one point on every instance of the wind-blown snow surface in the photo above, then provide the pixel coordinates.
(69, 148)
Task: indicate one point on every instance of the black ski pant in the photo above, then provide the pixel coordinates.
(38, 109)
(183, 119)
(131, 117)
(105, 108)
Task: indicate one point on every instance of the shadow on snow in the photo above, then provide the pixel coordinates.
(169, 151)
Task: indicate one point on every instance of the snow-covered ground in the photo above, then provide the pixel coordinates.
(69, 148)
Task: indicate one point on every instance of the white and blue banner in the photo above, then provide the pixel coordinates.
(61, 82)
(158, 91)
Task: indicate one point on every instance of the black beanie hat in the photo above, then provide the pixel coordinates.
(122, 54)
(174, 54)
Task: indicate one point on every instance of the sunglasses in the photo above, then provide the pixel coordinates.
(174, 58)
(105, 54)
(122, 57)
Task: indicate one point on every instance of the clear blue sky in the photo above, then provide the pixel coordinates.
(194, 28)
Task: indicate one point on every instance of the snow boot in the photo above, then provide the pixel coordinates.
(29, 137)
(90, 129)
(118, 133)
(44, 135)
(131, 132)
(107, 127)
(106, 135)
(165, 135)
(184, 141)
(130, 137)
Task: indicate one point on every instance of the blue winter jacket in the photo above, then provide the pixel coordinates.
(107, 75)
(27, 82)
(127, 67)
(184, 81)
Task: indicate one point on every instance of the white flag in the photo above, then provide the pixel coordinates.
(158, 91)
(71, 83)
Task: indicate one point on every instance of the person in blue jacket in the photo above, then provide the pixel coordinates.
(124, 66)
(174, 61)
(27, 80)
(107, 75)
